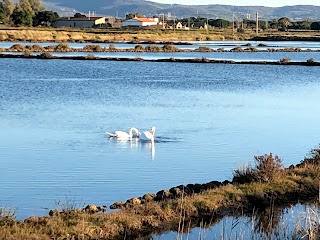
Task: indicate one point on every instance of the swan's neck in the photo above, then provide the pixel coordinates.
(135, 130)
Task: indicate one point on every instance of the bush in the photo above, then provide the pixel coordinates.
(62, 47)
(285, 60)
(267, 169)
(139, 48)
(93, 48)
(237, 49)
(153, 48)
(45, 55)
(18, 48)
(311, 60)
(112, 48)
(203, 49)
(170, 48)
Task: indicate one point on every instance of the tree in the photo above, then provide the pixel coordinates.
(315, 26)
(36, 5)
(6, 9)
(21, 16)
(26, 6)
(3, 14)
(45, 18)
(133, 15)
(284, 23)
(79, 15)
(220, 23)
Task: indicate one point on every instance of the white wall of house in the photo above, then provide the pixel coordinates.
(137, 23)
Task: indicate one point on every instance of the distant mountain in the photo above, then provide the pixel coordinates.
(122, 7)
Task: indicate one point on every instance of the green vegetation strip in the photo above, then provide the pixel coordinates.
(254, 187)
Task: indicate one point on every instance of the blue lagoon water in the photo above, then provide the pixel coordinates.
(210, 119)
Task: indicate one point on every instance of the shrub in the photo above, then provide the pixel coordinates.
(139, 48)
(203, 49)
(7, 216)
(45, 55)
(62, 47)
(267, 169)
(90, 57)
(285, 60)
(170, 48)
(17, 48)
(112, 48)
(311, 60)
(313, 158)
(93, 48)
(237, 49)
(153, 48)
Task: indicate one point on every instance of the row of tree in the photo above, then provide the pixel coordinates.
(281, 24)
(26, 13)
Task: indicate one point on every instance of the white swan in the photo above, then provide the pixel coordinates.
(123, 135)
(148, 135)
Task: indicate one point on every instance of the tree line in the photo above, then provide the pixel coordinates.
(282, 24)
(26, 13)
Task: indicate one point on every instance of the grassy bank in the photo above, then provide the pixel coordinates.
(92, 35)
(117, 35)
(258, 187)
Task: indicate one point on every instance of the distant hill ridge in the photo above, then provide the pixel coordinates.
(120, 8)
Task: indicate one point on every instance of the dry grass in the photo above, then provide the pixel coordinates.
(66, 35)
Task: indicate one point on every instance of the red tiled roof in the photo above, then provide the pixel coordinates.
(144, 20)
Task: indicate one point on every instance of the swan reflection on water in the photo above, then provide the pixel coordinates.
(146, 138)
(134, 143)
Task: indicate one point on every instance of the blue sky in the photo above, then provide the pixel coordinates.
(269, 3)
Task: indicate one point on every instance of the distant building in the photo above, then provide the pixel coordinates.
(140, 22)
(80, 22)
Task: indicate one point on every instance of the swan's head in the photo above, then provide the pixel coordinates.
(153, 130)
(134, 130)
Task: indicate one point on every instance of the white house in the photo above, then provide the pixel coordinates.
(79, 22)
(140, 22)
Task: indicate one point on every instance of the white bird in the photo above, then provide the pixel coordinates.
(124, 135)
(148, 135)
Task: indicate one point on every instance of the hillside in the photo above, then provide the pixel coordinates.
(121, 8)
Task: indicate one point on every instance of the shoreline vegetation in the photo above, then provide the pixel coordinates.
(47, 34)
(168, 47)
(28, 51)
(259, 187)
(90, 57)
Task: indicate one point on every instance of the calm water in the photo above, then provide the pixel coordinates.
(210, 119)
(278, 224)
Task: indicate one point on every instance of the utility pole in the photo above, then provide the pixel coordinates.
(257, 23)
(233, 26)
(163, 21)
(207, 26)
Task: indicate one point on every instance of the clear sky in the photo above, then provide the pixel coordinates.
(269, 3)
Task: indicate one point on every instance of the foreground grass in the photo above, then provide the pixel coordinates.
(252, 188)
